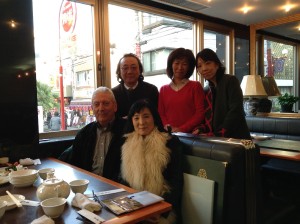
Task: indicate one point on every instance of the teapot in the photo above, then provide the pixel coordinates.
(53, 187)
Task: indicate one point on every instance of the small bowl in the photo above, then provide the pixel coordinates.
(43, 172)
(53, 207)
(79, 186)
(3, 205)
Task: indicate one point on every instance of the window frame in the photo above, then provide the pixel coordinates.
(102, 43)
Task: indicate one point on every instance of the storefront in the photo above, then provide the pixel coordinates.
(80, 112)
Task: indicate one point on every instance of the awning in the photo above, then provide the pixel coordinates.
(81, 104)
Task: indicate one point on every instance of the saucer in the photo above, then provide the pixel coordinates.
(10, 203)
(4, 179)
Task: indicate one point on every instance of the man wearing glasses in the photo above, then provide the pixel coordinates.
(132, 87)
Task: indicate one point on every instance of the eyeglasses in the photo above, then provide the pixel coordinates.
(126, 68)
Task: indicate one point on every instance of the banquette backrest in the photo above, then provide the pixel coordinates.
(275, 127)
(234, 166)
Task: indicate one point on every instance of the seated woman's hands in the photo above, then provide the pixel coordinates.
(170, 129)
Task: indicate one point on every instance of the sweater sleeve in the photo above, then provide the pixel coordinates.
(198, 117)
(161, 107)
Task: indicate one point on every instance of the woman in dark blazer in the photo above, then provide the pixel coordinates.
(224, 115)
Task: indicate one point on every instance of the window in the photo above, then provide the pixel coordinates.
(155, 61)
(279, 61)
(66, 58)
(149, 36)
(65, 68)
(241, 64)
(219, 43)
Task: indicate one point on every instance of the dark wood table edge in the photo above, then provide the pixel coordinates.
(280, 154)
(140, 214)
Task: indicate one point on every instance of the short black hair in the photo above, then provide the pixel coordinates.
(209, 55)
(136, 108)
(181, 53)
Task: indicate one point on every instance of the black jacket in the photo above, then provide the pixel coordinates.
(126, 98)
(228, 111)
(84, 146)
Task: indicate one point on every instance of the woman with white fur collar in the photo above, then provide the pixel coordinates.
(152, 159)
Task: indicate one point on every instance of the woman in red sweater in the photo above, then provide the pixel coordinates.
(181, 103)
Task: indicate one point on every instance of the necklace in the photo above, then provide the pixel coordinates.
(179, 85)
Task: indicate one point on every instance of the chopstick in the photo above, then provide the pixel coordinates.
(16, 201)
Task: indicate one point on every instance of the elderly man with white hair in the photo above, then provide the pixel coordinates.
(97, 146)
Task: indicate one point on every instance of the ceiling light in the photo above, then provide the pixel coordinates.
(12, 24)
(287, 7)
(245, 9)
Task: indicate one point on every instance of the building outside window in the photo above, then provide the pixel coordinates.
(150, 36)
(64, 48)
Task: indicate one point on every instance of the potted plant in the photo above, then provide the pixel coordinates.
(287, 101)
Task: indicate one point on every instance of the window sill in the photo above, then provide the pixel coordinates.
(57, 136)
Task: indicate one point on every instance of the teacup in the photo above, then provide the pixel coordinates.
(79, 186)
(45, 171)
(53, 207)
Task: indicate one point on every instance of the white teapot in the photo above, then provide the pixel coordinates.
(53, 187)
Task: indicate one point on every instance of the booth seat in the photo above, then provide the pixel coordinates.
(274, 127)
(235, 169)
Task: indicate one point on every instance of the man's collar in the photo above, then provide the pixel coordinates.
(108, 127)
(127, 87)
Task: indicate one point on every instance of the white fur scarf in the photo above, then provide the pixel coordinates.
(143, 161)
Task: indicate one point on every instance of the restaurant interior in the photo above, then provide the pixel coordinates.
(19, 132)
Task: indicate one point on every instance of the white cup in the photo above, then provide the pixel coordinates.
(79, 186)
(45, 171)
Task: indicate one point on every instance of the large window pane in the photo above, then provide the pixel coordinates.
(219, 43)
(64, 48)
(241, 64)
(279, 62)
(149, 36)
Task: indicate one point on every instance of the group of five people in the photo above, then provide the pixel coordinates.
(129, 142)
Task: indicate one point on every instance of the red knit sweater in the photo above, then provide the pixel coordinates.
(184, 108)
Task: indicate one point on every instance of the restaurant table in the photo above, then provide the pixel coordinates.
(280, 148)
(26, 214)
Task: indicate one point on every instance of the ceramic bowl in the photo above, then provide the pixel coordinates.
(53, 207)
(23, 174)
(23, 178)
(43, 172)
(79, 186)
(3, 205)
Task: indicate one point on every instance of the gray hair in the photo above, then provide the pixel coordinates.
(104, 89)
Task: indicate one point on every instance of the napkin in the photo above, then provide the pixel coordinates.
(83, 202)
(26, 161)
(43, 220)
